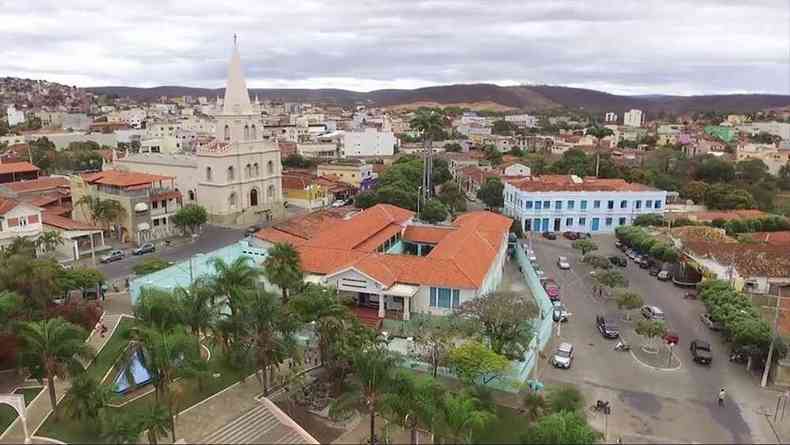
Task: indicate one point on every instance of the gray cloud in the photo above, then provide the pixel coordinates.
(632, 47)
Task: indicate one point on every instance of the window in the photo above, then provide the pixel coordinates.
(571, 204)
(191, 195)
(649, 203)
(257, 169)
(538, 205)
(232, 200)
(610, 204)
(270, 192)
(227, 133)
(658, 204)
(443, 297)
(246, 132)
(155, 204)
(253, 197)
(253, 132)
(156, 222)
(547, 204)
(270, 168)
(582, 221)
(558, 205)
(248, 170)
(623, 204)
(22, 221)
(568, 221)
(584, 204)
(528, 204)
(231, 174)
(608, 221)
(638, 204)
(621, 221)
(164, 204)
(208, 174)
(596, 204)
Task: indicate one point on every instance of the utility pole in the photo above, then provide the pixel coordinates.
(767, 370)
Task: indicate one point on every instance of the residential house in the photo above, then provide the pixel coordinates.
(17, 171)
(633, 118)
(307, 190)
(18, 220)
(775, 158)
(351, 171)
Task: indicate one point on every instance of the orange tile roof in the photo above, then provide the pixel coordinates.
(119, 178)
(34, 185)
(370, 244)
(6, 205)
(62, 222)
(349, 233)
(750, 260)
(781, 238)
(425, 234)
(17, 167)
(278, 236)
(43, 200)
(726, 215)
(564, 183)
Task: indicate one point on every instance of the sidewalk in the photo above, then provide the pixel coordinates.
(39, 409)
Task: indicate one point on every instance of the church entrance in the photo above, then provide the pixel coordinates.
(253, 197)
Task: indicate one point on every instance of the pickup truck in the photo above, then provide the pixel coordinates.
(701, 353)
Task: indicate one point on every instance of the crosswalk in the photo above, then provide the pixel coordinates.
(257, 425)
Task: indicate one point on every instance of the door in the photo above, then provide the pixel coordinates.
(527, 225)
(596, 222)
(557, 224)
(545, 224)
(536, 225)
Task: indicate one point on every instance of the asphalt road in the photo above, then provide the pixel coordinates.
(662, 405)
(212, 238)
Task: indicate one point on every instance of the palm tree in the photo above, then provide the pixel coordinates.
(101, 211)
(320, 304)
(373, 374)
(157, 422)
(194, 307)
(87, 398)
(53, 348)
(121, 429)
(158, 308)
(232, 280)
(49, 241)
(21, 246)
(598, 133)
(283, 268)
(461, 414)
(429, 122)
(270, 329)
(412, 401)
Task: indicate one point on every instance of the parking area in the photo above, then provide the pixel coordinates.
(650, 405)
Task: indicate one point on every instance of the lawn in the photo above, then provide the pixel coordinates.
(507, 427)
(8, 414)
(189, 393)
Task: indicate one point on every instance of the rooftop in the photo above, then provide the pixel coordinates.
(119, 178)
(750, 260)
(35, 185)
(17, 167)
(571, 183)
(726, 215)
(64, 223)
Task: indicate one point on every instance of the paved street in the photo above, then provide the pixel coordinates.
(212, 238)
(652, 405)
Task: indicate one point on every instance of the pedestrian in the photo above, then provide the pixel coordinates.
(722, 395)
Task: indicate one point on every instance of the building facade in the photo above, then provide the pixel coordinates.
(15, 117)
(633, 118)
(569, 203)
(369, 141)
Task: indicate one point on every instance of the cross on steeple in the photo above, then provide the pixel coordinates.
(235, 40)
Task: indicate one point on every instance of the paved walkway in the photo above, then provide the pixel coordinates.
(40, 408)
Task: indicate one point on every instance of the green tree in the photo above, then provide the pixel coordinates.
(695, 191)
(565, 398)
(503, 319)
(561, 428)
(53, 348)
(150, 265)
(784, 177)
(725, 197)
(574, 161)
(585, 245)
(157, 308)
(714, 170)
(157, 422)
(194, 307)
(295, 160)
(283, 267)
(190, 217)
(87, 398)
(434, 211)
(101, 211)
(597, 262)
(232, 279)
(503, 128)
(629, 301)
(453, 197)
(121, 429)
(649, 219)
(609, 279)
(475, 364)
(460, 415)
(651, 329)
(751, 170)
(412, 401)
(49, 241)
(491, 193)
(453, 147)
(492, 154)
(534, 405)
(436, 335)
(321, 305)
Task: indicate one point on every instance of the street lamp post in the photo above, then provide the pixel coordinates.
(767, 370)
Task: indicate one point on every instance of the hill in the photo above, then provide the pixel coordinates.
(522, 97)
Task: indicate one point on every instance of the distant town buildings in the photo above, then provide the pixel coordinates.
(15, 117)
(633, 118)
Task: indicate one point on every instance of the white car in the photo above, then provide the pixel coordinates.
(339, 203)
(562, 263)
(563, 356)
(531, 254)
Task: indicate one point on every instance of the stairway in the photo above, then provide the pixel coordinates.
(257, 425)
(368, 317)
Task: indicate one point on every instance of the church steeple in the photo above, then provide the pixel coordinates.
(237, 98)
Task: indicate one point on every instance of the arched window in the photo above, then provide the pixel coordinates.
(270, 193)
(246, 132)
(257, 169)
(270, 167)
(254, 132)
(231, 174)
(232, 199)
(191, 195)
(248, 170)
(208, 174)
(253, 197)
(227, 132)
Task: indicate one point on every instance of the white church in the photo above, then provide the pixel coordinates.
(238, 176)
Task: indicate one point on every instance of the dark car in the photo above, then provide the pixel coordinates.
(618, 260)
(671, 337)
(701, 353)
(582, 235)
(253, 229)
(550, 235)
(654, 270)
(144, 248)
(571, 235)
(643, 262)
(607, 327)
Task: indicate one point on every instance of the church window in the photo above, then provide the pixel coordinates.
(253, 197)
(231, 174)
(191, 195)
(208, 174)
(248, 170)
(270, 167)
(270, 192)
(227, 132)
(257, 169)
(232, 199)
(253, 132)
(246, 132)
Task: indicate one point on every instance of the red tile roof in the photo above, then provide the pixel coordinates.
(64, 223)
(564, 183)
(726, 215)
(425, 234)
(35, 185)
(781, 238)
(17, 167)
(123, 179)
(6, 205)
(350, 233)
(750, 260)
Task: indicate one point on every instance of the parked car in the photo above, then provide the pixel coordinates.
(559, 312)
(338, 203)
(654, 270)
(710, 322)
(607, 327)
(552, 290)
(630, 253)
(562, 263)
(571, 235)
(550, 235)
(644, 262)
(701, 353)
(253, 229)
(144, 248)
(618, 260)
(114, 255)
(531, 255)
(664, 275)
(563, 356)
(671, 337)
(582, 235)
(618, 244)
(652, 313)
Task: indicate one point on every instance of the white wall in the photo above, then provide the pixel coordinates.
(369, 142)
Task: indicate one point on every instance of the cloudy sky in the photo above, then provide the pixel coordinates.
(625, 46)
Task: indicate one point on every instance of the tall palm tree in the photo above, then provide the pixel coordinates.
(231, 280)
(598, 133)
(121, 429)
(49, 241)
(270, 332)
(429, 122)
(53, 348)
(412, 401)
(460, 415)
(195, 308)
(321, 305)
(101, 211)
(373, 375)
(283, 268)
(157, 422)
(87, 397)
(158, 308)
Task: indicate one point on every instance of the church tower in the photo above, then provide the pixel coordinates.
(240, 173)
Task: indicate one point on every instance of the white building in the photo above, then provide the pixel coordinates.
(76, 121)
(15, 117)
(522, 120)
(558, 203)
(610, 117)
(781, 129)
(633, 118)
(18, 219)
(368, 142)
(134, 117)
